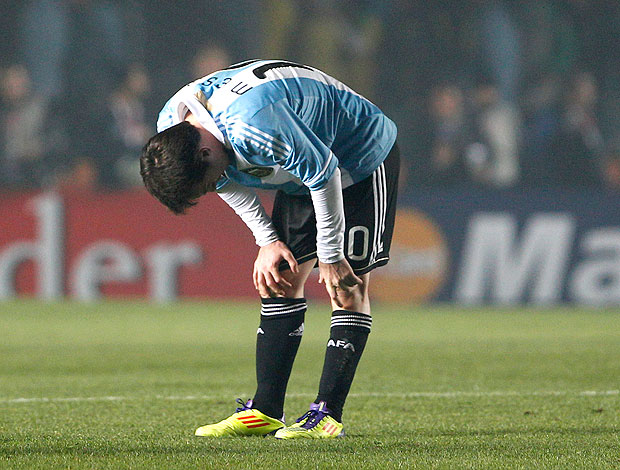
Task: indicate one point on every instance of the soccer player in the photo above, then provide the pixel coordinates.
(331, 156)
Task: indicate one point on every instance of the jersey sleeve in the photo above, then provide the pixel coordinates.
(245, 203)
(277, 135)
(329, 211)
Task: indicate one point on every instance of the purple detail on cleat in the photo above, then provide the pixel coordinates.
(244, 406)
(313, 407)
(317, 412)
(248, 405)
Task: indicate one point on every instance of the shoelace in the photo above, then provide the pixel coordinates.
(314, 416)
(244, 405)
(248, 406)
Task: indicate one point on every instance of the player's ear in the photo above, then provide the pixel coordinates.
(204, 153)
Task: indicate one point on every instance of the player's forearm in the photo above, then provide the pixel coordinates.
(246, 204)
(329, 210)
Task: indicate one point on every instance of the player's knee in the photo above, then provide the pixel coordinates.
(355, 299)
(296, 289)
(292, 292)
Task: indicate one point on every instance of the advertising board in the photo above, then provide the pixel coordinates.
(463, 246)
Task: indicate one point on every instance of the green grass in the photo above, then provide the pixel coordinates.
(123, 385)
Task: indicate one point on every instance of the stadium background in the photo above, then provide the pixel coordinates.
(508, 116)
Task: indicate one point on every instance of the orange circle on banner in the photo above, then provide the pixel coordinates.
(418, 261)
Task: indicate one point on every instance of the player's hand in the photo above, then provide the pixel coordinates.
(338, 276)
(267, 278)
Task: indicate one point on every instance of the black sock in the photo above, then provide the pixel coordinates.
(277, 341)
(348, 335)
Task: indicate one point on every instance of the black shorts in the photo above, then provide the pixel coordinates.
(369, 209)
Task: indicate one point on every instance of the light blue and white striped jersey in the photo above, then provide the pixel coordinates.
(288, 125)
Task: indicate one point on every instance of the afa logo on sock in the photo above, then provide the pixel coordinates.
(339, 343)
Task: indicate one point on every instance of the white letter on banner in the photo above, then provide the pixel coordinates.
(106, 261)
(596, 280)
(164, 261)
(492, 262)
(48, 252)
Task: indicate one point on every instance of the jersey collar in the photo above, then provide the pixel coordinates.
(191, 103)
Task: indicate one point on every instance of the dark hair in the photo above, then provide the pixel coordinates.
(171, 166)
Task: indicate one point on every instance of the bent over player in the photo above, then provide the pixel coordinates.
(331, 156)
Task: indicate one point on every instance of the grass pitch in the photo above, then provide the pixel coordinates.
(124, 385)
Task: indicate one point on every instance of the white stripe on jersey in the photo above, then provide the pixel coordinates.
(270, 142)
(282, 146)
(268, 149)
(263, 140)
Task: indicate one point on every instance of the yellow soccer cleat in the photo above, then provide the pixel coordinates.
(315, 424)
(246, 421)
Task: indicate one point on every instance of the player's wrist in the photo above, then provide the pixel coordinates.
(267, 240)
(331, 258)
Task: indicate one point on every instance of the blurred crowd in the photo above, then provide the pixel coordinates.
(486, 93)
